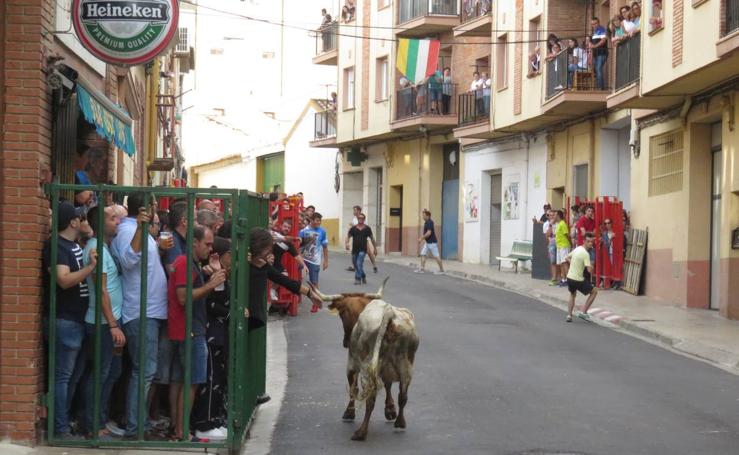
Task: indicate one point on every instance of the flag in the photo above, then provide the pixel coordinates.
(417, 58)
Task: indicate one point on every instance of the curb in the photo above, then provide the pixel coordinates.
(727, 361)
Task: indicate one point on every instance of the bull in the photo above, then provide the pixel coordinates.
(382, 343)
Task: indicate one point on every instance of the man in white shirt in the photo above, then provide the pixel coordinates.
(476, 87)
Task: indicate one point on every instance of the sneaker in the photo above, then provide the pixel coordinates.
(114, 429)
(350, 269)
(439, 272)
(584, 316)
(216, 434)
(553, 283)
(375, 269)
(314, 308)
(161, 423)
(356, 282)
(562, 284)
(364, 280)
(419, 271)
(273, 294)
(568, 318)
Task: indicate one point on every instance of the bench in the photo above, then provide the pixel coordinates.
(520, 251)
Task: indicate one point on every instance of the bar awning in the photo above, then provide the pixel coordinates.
(111, 121)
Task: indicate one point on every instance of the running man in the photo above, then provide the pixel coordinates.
(431, 246)
(578, 277)
(361, 235)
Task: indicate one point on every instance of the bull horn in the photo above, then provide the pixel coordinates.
(322, 296)
(378, 295)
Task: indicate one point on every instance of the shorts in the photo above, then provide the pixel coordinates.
(199, 372)
(435, 94)
(432, 248)
(585, 287)
(165, 357)
(552, 250)
(561, 255)
(313, 271)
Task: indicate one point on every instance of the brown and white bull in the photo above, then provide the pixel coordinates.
(382, 343)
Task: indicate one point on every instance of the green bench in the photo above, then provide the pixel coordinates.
(520, 251)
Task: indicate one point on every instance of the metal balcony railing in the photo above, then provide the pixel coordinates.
(627, 61)
(472, 9)
(426, 99)
(326, 38)
(567, 72)
(412, 9)
(474, 107)
(732, 16)
(325, 125)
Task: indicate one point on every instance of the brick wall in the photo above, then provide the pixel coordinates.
(677, 32)
(464, 57)
(567, 18)
(366, 12)
(26, 155)
(517, 59)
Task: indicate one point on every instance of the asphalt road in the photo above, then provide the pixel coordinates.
(499, 373)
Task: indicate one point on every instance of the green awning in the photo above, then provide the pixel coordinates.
(110, 120)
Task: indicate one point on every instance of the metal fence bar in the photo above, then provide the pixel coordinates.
(235, 324)
(472, 9)
(627, 61)
(327, 38)
(188, 319)
(141, 399)
(98, 324)
(412, 9)
(51, 399)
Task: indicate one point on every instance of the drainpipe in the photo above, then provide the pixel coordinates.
(591, 166)
(687, 104)
(525, 180)
(634, 143)
(150, 132)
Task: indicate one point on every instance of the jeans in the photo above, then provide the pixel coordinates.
(67, 370)
(599, 62)
(571, 68)
(486, 104)
(133, 338)
(111, 366)
(358, 260)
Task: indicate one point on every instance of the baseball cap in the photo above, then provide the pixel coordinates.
(66, 212)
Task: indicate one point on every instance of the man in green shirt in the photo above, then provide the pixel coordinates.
(562, 241)
(578, 278)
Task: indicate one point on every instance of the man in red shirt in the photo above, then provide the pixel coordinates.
(586, 224)
(177, 289)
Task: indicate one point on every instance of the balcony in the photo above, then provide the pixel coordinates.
(477, 18)
(729, 41)
(574, 87)
(327, 45)
(429, 106)
(324, 134)
(474, 115)
(626, 93)
(420, 18)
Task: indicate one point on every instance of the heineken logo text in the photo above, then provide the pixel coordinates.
(124, 11)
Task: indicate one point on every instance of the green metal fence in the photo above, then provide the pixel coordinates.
(247, 348)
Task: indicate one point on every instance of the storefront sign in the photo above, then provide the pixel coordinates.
(125, 32)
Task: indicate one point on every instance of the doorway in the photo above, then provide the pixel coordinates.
(716, 186)
(395, 228)
(496, 216)
(450, 202)
(374, 203)
(580, 181)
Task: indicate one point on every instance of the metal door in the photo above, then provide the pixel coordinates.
(716, 184)
(496, 216)
(449, 215)
(247, 347)
(274, 173)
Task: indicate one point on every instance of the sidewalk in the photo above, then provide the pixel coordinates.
(699, 333)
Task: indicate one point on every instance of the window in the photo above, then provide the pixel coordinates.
(381, 79)
(655, 15)
(501, 62)
(580, 181)
(534, 66)
(666, 163)
(183, 45)
(348, 99)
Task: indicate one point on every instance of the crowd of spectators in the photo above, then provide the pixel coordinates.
(125, 231)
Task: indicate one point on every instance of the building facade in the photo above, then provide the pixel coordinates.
(649, 119)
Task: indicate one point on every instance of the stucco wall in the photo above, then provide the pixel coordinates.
(515, 163)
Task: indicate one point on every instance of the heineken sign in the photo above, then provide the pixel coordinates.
(125, 32)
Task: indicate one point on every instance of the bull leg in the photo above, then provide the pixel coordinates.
(351, 376)
(390, 413)
(402, 400)
(361, 433)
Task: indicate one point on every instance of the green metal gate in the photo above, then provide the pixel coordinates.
(247, 347)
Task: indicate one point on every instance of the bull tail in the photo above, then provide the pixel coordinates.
(369, 371)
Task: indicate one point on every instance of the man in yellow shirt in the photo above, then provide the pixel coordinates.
(578, 277)
(562, 241)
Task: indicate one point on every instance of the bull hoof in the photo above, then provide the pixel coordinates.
(348, 414)
(359, 436)
(400, 422)
(390, 414)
